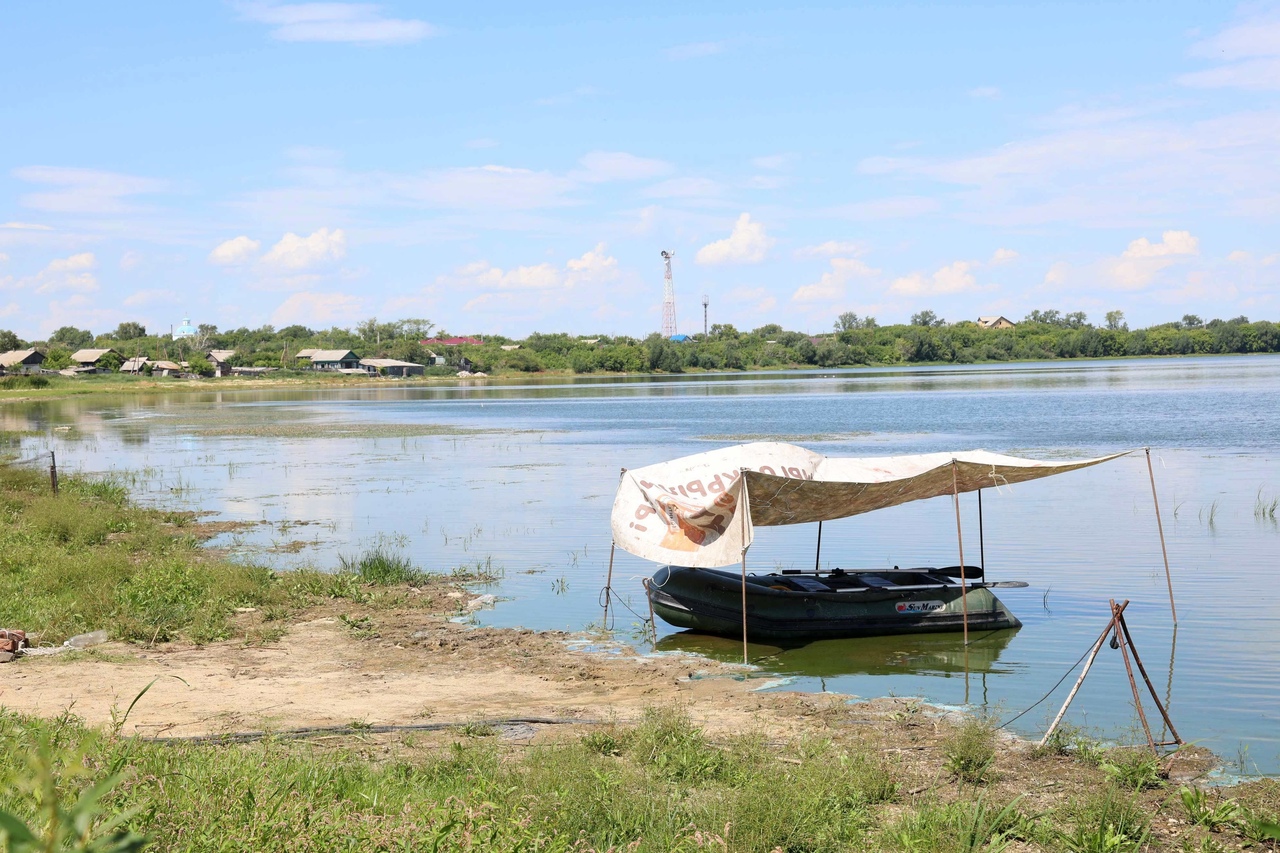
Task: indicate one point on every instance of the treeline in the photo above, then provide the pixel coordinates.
(853, 341)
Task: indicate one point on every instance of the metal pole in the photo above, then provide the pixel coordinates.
(1097, 647)
(982, 540)
(817, 558)
(964, 586)
(1168, 576)
(653, 622)
(53, 472)
(1133, 684)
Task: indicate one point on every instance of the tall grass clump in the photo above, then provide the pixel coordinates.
(971, 750)
(1110, 821)
(382, 567)
(1265, 509)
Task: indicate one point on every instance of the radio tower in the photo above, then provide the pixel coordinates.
(705, 301)
(668, 297)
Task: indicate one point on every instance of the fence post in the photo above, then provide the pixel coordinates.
(53, 471)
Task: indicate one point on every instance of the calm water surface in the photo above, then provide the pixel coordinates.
(525, 472)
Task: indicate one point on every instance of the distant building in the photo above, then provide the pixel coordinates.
(87, 360)
(679, 339)
(391, 367)
(21, 360)
(509, 347)
(135, 365)
(334, 359)
(221, 361)
(451, 342)
(995, 323)
(186, 330)
(306, 353)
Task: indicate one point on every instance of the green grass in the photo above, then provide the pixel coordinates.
(971, 750)
(89, 559)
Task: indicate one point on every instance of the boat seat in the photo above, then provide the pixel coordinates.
(810, 584)
(876, 581)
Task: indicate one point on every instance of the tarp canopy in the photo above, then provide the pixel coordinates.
(688, 512)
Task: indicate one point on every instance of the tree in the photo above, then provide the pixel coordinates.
(110, 361)
(57, 358)
(71, 337)
(1052, 317)
(129, 331)
(8, 340)
(199, 365)
(1076, 320)
(1191, 321)
(1115, 321)
(927, 318)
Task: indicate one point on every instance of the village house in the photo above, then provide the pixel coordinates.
(391, 367)
(135, 365)
(21, 361)
(995, 323)
(89, 360)
(333, 359)
(221, 361)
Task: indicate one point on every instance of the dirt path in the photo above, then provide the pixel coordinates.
(419, 668)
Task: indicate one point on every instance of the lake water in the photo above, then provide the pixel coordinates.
(522, 474)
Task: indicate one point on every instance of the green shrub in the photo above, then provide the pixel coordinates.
(971, 750)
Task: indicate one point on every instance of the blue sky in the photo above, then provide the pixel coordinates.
(501, 167)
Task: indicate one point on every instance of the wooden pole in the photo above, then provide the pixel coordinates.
(1133, 684)
(817, 557)
(1168, 576)
(964, 586)
(745, 509)
(608, 585)
(1097, 647)
(1124, 626)
(53, 472)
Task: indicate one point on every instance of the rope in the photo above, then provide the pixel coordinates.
(310, 731)
(1070, 670)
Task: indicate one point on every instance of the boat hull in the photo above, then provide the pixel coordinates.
(710, 601)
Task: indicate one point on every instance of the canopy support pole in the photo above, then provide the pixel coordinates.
(608, 586)
(982, 540)
(608, 581)
(1168, 576)
(817, 557)
(745, 509)
(964, 585)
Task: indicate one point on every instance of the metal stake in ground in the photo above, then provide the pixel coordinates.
(53, 471)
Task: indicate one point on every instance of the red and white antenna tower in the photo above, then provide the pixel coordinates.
(668, 297)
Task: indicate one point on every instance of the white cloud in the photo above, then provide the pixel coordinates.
(1003, 256)
(1057, 275)
(1239, 256)
(601, 166)
(237, 250)
(831, 286)
(359, 23)
(985, 92)
(24, 226)
(88, 191)
(695, 50)
(953, 278)
(594, 266)
(130, 260)
(485, 188)
(832, 248)
(9, 310)
(1143, 260)
(295, 253)
(1249, 52)
(684, 188)
(746, 244)
(318, 309)
(74, 273)
(4, 259)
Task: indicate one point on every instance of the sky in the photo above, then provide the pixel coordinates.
(507, 168)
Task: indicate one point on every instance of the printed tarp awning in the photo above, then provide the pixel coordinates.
(687, 512)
